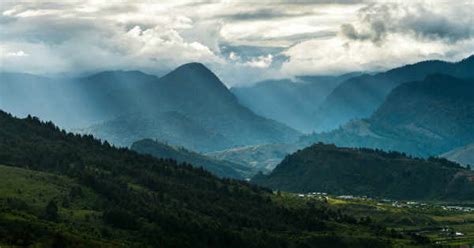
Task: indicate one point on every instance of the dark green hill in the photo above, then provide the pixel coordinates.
(217, 167)
(424, 118)
(359, 97)
(347, 171)
(75, 191)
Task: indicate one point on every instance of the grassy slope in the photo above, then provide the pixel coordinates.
(24, 195)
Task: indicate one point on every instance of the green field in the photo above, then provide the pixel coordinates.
(426, 219)
(24, 197)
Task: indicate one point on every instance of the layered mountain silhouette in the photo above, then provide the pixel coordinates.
(188, 107)
(289, 101)
(261, 158)
(70, 190)
(349, 171)
(221, 168)
(196, 94)
(424, 118)
(359, 97)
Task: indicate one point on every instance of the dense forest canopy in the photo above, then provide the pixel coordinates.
(368, 172)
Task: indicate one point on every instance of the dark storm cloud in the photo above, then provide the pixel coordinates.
(378, 20)
(375, 34)
(431, 25)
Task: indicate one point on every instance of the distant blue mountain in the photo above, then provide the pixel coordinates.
(424, 118)
(189, 107)
(288, 101)
(359, 97)
(218, 167)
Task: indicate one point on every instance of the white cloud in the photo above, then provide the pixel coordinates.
(233, 56)
(337, 55)
(386, 36)
(161, 43)
(18, 53)
(260, 61)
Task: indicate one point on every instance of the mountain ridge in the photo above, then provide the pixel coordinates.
(220, 168)
(359, 97)
(374, 173)
(423, 118)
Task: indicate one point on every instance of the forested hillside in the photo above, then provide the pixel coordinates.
(374, 173)
(90, 194)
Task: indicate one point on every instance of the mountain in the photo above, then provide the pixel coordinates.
(217, 167)
(348, 171)
(261, 158)
(188, 107)
(288, 101)
(424, 118)
(171, 126)
(359, 97)
(463, 155)
(60, 189)
(196, 94)
(75, 102)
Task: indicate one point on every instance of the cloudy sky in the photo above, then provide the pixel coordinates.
(241, 41)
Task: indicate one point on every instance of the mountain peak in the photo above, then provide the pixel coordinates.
(195, 65)
(196, 76)
(194, 69)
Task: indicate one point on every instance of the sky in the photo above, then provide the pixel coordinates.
(241, 41)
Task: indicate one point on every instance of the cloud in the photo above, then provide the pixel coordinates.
(264, 14)
(233, 56)
(161, 43)
(340, 55)
(388, 35)
(19, 53)
(241, 41)
(260, 61)
(452, 23)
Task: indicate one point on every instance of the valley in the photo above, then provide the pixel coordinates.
(236, 124)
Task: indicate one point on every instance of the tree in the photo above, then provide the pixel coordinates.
(51, 212)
